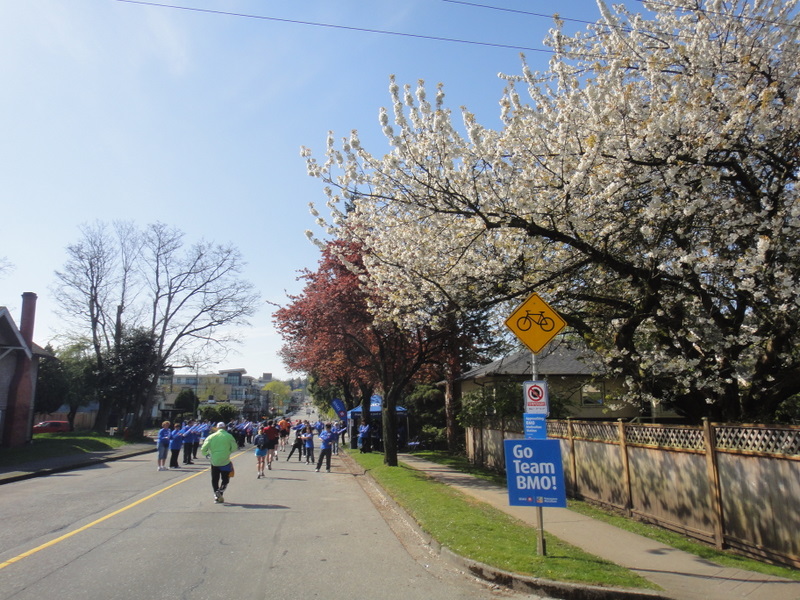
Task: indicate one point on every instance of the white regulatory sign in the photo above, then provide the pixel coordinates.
(536, 399)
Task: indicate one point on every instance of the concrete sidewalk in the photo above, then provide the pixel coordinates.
(683, 576)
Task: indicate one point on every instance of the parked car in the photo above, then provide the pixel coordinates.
(51, 427)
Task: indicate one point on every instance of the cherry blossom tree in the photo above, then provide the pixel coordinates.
(647, 187)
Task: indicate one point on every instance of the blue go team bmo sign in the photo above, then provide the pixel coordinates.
(535, 473)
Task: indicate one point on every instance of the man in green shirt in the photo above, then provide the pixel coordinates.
(219, 445)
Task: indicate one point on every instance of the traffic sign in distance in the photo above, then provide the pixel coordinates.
(535, 323)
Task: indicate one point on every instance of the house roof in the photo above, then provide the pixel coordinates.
(556, 359)
(10, 337)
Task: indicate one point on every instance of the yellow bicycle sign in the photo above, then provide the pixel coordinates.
(535, 323)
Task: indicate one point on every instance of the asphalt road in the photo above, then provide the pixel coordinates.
(124, 530)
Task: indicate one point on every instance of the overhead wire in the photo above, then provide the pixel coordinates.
(623, 28)
(334, 26)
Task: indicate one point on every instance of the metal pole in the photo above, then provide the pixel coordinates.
(541, 545)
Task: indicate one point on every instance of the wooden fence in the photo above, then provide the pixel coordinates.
(734, 486)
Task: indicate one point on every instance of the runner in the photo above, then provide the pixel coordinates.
(273, 434)
(284, 425)
(261, 452)
(220, 445)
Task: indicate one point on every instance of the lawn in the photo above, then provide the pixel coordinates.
(48, 445)
(480, 532)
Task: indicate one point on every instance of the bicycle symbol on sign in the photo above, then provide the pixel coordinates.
(535, 318)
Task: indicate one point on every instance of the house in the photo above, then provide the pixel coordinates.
(19, 365)
(576, 382)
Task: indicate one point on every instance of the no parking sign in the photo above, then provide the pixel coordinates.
(536, 398)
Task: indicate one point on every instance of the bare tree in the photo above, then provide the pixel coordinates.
(193, 294)
(85, 293)
(5, 265)
(183, 296)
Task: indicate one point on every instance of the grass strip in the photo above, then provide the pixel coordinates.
(50, 445)
(480, 532)
(669, 538)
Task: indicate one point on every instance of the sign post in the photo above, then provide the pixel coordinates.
(535, 478)
(533, 465)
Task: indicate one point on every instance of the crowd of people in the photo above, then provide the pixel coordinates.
(218, 441)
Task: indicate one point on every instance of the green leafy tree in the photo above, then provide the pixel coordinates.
(279, 393)
(130, 368)
(426, 412)
(227, 411)
(187, 400)
(210, 413)
(77, 366)
(491, 403)
(51, 384)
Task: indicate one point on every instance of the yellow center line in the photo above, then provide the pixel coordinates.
(19, 557)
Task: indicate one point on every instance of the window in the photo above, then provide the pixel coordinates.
(592, 394)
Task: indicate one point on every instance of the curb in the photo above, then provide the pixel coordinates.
(80, 463)
(514, 581)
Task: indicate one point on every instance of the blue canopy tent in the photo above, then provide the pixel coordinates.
(374, 411)
(375, 408)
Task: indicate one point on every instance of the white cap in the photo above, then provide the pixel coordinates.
(220, 425)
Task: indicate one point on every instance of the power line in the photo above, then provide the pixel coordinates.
(402, 34)
(520, 12)
(332, 26)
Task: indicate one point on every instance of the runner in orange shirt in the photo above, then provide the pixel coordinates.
(284, 425)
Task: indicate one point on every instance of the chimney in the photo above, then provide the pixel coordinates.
(19, 409)
(28, 317)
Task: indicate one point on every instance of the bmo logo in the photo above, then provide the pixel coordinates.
(536, 400)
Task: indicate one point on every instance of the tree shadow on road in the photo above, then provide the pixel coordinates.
(258, 506)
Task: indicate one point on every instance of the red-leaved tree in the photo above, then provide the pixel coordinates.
(330, 331)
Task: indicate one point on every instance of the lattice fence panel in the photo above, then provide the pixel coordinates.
(558, 429)
(686, 438)
(604, 432)
(758, 439)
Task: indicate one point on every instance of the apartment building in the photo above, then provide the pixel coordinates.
(233, 386)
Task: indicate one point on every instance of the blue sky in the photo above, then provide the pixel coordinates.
(116, 110)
